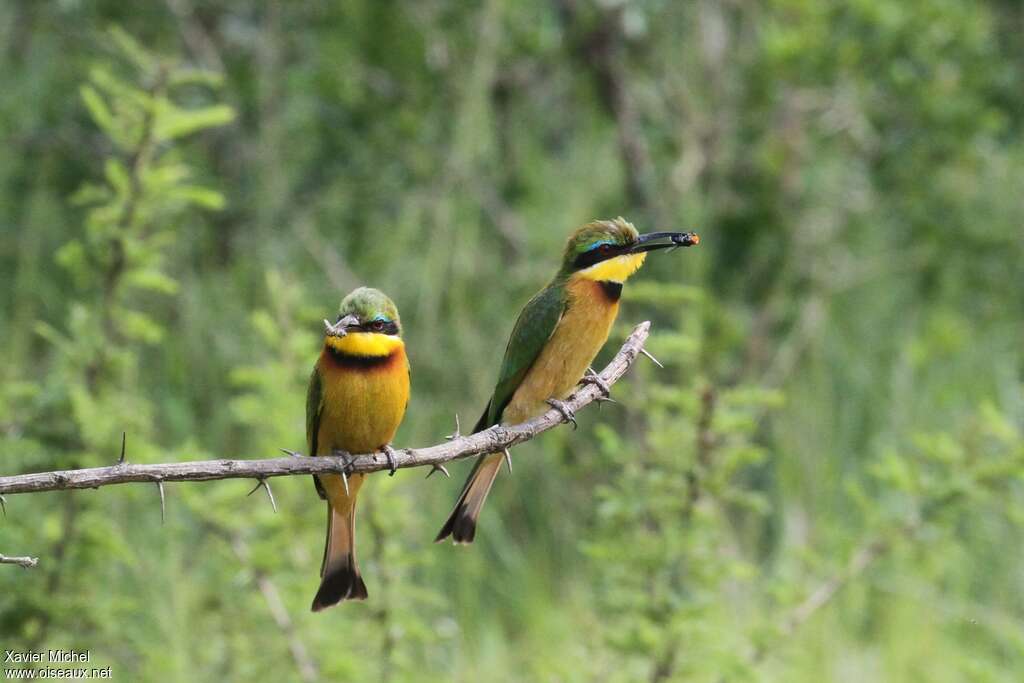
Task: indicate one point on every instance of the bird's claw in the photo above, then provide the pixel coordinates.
(562, 407)
(389, 452)
(591, 377)
(346, 470)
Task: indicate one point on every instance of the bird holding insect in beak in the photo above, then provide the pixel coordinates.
(554, 341)
(357, 397)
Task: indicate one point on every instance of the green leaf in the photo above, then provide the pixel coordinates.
(98, 109)
(117, 176)
(152, 280)
(200, 196)
(90, 193)
(187, 76)
(139, 326)
(72, 257)
(178, 123)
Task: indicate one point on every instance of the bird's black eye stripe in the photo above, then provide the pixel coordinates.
(382, 326)
(376, 325)
(597, 254)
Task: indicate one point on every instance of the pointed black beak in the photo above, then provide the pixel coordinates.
(664, 240)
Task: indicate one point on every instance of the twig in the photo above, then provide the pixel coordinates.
(383, 611)
(492, 440)
(860, 561)
(704, 448)
(823, 594)
(451, 437)
(26, 562)
(279, 613)
(196, 37)
(696, 475)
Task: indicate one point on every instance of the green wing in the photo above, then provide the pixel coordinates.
(535, 325)
(314, 404)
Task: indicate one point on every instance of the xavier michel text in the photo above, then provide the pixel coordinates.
(46, 656)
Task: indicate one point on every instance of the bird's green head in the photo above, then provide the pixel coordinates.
(612, 250)
(367, 319)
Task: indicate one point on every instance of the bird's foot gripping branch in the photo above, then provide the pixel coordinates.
(493, 440)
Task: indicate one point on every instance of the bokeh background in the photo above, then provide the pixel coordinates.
(823, 484)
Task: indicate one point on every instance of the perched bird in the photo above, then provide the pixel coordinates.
(357, 398)
(554, 341)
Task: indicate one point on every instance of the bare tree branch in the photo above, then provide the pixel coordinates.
(823, 594)
(862, 559)
(303, 661)
(493, 440)
(26, 562)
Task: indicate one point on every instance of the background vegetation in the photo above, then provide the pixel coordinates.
(825, 482)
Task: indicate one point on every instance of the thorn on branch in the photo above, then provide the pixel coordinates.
(124, 439)
(163, 506)
(457, 433)
(437, 467)
(292, 453)
(3, 505)
(653, 359)
(262, 483)
(508, 459)
(348, 463)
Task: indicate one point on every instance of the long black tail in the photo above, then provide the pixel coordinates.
(344, 583)
(340, 578)
(461, 524)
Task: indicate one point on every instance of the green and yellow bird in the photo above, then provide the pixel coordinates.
(357, 398)
(554, 341)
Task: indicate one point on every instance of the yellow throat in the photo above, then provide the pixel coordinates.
(365, 344)
(616, 269)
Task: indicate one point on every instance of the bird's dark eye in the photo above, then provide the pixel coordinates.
(605, 249)
(377, 325)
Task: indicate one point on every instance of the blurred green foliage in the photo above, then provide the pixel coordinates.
(823, 484)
